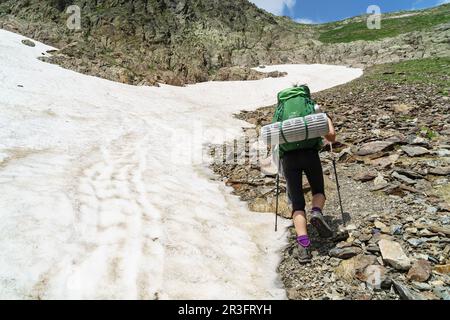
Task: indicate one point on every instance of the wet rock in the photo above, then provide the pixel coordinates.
(345, 253)
(420, 271)
(415, 151)
(394, 255)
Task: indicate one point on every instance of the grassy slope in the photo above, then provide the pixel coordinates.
(434, 71)
(342, 31)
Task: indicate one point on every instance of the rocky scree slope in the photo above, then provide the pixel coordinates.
(394, 168)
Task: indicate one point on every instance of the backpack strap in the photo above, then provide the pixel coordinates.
(306, 127)
(282, 133)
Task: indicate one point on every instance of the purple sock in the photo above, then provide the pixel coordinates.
(317, 209)
(304, 241)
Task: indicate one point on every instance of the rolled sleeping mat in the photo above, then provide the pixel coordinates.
(296, 129)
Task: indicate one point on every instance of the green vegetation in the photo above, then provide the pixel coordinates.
(432, 70)
(428, 133)
(338, 32)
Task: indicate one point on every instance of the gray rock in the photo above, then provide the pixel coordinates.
(396, 229)
(403, 178)
(440, 171)
(373, 147)
(373, 248)
(404, 292)
(413, 151)
(442, 292)
(409, 173)
(420, 271)
(28, 43)
(421, 286)
(415, 242)
(443, 152)
(345, 253)
(415, 140)
(394, 255)
(365, 176)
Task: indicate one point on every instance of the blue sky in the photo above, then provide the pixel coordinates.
(320, 11)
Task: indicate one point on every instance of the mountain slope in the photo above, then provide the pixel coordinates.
(138, 39)
(187, 41)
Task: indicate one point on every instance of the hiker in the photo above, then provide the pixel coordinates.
(303, 157)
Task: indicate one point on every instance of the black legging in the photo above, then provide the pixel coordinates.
(294, 164)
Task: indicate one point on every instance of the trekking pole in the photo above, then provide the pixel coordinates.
(276, 202)
(337, 184)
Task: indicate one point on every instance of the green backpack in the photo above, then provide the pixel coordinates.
(293, 103)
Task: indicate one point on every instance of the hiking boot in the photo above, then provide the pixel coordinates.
(322, 227)
(303, 250)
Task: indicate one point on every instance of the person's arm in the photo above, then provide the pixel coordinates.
(331, 136)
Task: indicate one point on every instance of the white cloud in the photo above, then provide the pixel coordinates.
(306, 21)
(439, 2)
(275, 6)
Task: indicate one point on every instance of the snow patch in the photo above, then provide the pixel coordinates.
(104, 194)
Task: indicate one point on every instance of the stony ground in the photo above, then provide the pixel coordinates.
(394, 170)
